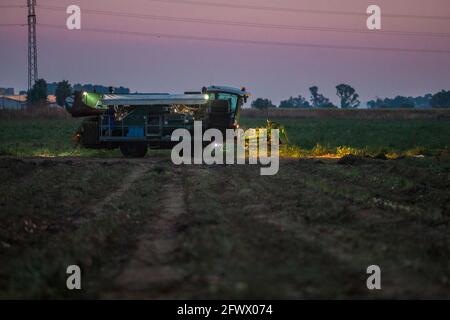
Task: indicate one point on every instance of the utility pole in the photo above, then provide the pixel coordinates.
(32, 51)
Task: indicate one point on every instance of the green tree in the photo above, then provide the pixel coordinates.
(395, 103)
(328, 105)
(318, 100)
(38, 94)
(441, 99)
(63, 90)
(349, 97)
(261, 103)
(298, 102)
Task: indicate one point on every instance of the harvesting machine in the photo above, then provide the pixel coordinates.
(134, 122)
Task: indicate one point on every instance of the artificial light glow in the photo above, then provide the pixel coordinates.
(84, 93)
(206, 96)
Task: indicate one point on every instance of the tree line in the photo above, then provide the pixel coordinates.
(349, 99)
(440, 99)
(63, 89)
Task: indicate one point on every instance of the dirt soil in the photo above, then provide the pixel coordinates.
(148, 229)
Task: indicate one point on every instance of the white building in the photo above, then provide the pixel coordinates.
(17, 102)
(13, 102)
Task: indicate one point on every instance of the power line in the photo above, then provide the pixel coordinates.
(253, 42)
(250, 24)
(280, 9)
(7, 6)
(13, 24)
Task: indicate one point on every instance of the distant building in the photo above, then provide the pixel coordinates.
(13, 101)
(99, 88)
(51, 101)
(51, 87)
(18, 102)
(6, 91)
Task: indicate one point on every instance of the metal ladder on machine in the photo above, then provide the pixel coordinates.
(154, 126)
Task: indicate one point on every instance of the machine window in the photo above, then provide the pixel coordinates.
(230, 97)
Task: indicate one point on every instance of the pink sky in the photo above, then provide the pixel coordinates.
(174, 65)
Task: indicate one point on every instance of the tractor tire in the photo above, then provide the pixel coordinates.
(133, 149)
(88, 133)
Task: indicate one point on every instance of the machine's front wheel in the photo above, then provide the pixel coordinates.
(133, 149)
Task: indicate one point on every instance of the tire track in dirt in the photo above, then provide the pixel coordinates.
(138, 172)
(348, 253)
(149, 273)
(97, 208)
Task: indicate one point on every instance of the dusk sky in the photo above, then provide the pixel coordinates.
(152, 64)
